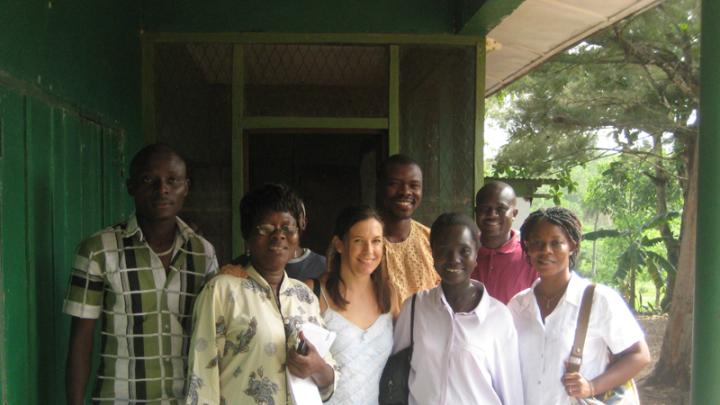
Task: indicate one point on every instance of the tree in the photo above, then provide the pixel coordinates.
(637, 81)
(623, 193)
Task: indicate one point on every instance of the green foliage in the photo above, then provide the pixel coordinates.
(636, 83)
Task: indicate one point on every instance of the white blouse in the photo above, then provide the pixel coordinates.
(460, 358)
(544, 347)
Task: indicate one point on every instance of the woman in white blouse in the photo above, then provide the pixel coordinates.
(546, 315)
(465, 346)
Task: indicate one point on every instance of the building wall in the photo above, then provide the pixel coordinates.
(437, 124)
(314, 16)
(69, 117)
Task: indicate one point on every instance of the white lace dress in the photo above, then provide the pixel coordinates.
(360, 355)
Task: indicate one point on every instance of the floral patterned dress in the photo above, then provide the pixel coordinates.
(240, 339)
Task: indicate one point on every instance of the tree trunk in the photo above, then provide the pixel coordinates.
(673, 366)
(660, 179)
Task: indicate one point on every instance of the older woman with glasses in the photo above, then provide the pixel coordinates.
(246, 323)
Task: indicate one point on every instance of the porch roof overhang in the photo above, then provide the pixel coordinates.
(538, 29)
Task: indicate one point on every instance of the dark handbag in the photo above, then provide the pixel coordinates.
(623, 394)
(394, 389)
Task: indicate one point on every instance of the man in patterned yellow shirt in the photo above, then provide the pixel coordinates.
(408, 259)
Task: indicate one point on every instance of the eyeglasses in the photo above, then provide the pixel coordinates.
(269, 229)
(488, 210)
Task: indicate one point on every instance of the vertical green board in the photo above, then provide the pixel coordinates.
(113, 176)
(61, 179)
(62, 245)
(16, 381)
(706, 323)
(39, 245)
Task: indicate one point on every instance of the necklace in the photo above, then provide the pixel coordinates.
(165, 253)
(548, 302)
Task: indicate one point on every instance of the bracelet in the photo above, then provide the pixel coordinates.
(592, 388)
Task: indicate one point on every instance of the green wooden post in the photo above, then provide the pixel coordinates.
(148, 90)
(394, 102)
(479, 119)
(238, 154)
(706, 331)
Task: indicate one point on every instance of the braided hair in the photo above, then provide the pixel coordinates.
(562, 217)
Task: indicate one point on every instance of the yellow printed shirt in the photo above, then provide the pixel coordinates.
(409, 265)
(240, 339)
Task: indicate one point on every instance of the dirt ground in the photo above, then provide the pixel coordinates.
(654, 326)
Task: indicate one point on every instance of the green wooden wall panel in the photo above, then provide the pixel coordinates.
(84, 52)
(39, 247)
(412, 16)
(63, 241)
(15, 337)
(91, 165)
(114, 169)
(61, 179)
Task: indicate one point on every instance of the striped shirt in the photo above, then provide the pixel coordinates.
(146, 311)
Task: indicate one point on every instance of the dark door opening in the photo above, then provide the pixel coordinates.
(329, 170)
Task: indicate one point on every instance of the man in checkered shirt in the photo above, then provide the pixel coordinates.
(140, 277)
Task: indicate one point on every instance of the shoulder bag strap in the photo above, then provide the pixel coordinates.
(576, 354)
(412, 320)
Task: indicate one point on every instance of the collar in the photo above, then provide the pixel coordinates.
(573, 293)
(508, 247)
(305, 254)
(480, 310)
(575, 289)
(260, 280)
(132, 228)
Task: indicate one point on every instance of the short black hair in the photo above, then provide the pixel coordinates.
(395, 160)
(491, 187)
(562, 217)
(138, 162)
(449, 219)
(269, 197)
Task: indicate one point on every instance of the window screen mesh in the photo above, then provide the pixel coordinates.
(316, 80)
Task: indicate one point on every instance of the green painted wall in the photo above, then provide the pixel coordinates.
(85, 52)
(62, 178)
(318, 16)
(69, 117)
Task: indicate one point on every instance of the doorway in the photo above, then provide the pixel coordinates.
(329, 169)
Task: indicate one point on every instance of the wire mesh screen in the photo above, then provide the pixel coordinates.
(193, 104)
(316, 80)
(437, 124)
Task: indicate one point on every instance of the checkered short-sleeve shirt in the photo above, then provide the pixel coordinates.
(145, 311)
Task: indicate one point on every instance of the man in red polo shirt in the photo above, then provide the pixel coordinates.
(501, 265)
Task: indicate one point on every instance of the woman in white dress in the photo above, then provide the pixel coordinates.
(546, 315)
(355, 303)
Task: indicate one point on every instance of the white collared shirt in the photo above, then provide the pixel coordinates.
(460, 358)
(544, 347)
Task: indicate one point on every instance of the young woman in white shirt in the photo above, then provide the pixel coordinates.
(546, 315)
(465, 346)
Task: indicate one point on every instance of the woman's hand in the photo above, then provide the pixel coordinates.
(577, 386)
(310, 365)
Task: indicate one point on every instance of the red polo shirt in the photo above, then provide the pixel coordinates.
(504, 270)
